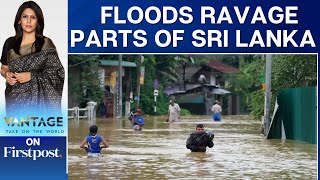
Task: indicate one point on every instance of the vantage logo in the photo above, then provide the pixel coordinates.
(34, 121)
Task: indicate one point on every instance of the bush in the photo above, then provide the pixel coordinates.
(257, 104)
(185, 112)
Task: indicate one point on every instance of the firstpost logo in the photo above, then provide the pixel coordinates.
(13, 152)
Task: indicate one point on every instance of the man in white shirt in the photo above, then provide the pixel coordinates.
(174, 111)
(216, 109)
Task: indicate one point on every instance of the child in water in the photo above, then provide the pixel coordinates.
(93, 141)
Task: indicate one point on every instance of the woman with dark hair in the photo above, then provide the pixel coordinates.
(31, 66)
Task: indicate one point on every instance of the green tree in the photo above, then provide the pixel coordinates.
(288, 71)
(248, 80)
(84, 79)
(166, 69)
(146, 90)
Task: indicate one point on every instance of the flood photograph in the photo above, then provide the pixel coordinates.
(192, 116)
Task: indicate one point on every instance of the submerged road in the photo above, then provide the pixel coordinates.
(159, 152)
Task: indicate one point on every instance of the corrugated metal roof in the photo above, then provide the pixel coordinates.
(116, 63)
(225, 68)
(220, 91)
(176, 89)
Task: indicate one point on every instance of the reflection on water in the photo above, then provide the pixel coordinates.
(159, 152)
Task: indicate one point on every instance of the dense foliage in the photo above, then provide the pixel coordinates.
(288, 71)
(84, 81)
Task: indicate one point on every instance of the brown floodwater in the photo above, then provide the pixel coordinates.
(159, 152)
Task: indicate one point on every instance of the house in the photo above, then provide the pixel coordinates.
(108, 77)
(108, 73)
(202, 85)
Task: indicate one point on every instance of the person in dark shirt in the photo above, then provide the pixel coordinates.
(200, 140)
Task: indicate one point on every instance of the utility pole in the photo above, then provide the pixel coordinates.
(184, 76)
(267, 94)
(120, 87)
(138, 81)
(128, 90)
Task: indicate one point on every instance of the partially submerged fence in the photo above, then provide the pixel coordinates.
(88, 112)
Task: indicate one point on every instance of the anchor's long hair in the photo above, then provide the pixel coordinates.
(39, 29)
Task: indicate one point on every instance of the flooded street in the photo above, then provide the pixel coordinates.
(159, 152)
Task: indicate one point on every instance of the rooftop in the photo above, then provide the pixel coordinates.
(222, 67)
(116, 63)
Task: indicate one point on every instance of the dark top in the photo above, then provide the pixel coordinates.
(199, 142)
(42, 94)
(8, 53)
(6, 47)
